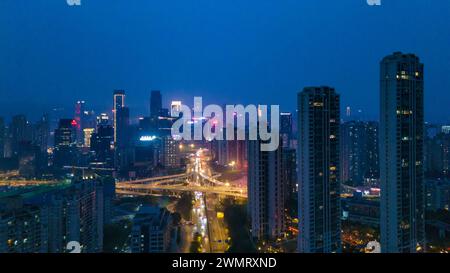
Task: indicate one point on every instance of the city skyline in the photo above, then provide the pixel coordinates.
(296, 127)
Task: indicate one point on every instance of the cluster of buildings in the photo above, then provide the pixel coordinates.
(108, 142)
(46, 219)
(389, 156)
(88, 152)
(401, 162)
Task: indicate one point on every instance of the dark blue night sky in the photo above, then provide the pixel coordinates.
(228, 51)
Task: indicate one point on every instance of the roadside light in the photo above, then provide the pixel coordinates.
(180, 146)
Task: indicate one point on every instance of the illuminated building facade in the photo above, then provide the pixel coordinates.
(118, 103)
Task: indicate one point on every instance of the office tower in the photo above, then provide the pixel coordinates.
(79, 118)
(65, 133)
(123, 135)
(31, 161)
(155, 103)
(65, 140)
(41, 133)
(102, 144)
(285, 129)
(318, 166)
(119, 103)
(20, 133)
(148, 154)
(155, 110)
(265, 192)
(151, 230)
(359, 152)
(102, 119)
(2, 137)
(401, 153)
(122, 130)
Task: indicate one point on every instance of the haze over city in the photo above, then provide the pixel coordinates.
(246, 52)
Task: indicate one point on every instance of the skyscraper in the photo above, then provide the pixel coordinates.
(102, 145)
(119, 103)
(401, 153)
(265, 191)
(79, 118)
(20, 133)
(155, 110)
(122, 131)
(155, 103)
(65, 139)
(359, 152)
(285, 129)
(318, 179)
(42, 133)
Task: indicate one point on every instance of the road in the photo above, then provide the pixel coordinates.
(217, 229)
(218, 233)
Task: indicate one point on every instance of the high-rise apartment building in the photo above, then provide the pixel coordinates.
(285, 129)
(266, 192)
(318, 166)
(359, 152)
(401, 153)
(151, 230)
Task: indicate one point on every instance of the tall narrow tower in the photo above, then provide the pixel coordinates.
(401, 153)
(265, 191)
(119, 103)
(318, 165)
(155, 103)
